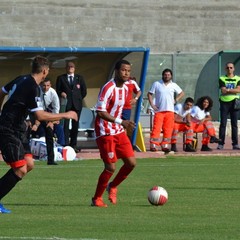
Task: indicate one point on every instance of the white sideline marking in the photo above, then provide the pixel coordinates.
(152, 164)
(51, 238)
(187, 164)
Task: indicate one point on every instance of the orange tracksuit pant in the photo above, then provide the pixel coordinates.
(181, 127)
(163, 121)
(206, 128)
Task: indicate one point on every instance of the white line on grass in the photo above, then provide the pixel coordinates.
(51, 238)
(152, 164)
(182, 164)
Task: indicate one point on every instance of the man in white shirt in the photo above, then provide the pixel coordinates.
(202, 122)
(182, 123)
(163, 107)
(51, 104)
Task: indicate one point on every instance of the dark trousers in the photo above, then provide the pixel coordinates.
(50, 144)
(48, 132)
(57, 131)
(71, 134)
(227, 108)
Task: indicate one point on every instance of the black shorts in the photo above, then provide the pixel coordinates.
(23, 137)
(11, 146)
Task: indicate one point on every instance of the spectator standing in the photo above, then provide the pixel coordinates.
(23, 95)
(182, 123)
(201, 122)
(111, 138)
(164, 91)
(72, 87)
(229, 85)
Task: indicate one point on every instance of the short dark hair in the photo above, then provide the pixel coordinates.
(189, 99)
(67, 63)
(47, 80)
(120, 62)
(166, 70)
(38, 63)
(229, 63)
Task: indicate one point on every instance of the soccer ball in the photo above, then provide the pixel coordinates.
(157, 196)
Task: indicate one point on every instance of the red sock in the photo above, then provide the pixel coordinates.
(102, 183)
(122, 175)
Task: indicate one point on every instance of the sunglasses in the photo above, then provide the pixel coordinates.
(229, 67)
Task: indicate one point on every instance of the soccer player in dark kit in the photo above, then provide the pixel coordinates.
(23, 97)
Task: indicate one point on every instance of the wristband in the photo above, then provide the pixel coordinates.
(118, 121)
(136, 98)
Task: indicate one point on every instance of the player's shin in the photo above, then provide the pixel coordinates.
(8, 182)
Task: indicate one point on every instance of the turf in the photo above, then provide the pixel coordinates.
(53, 202)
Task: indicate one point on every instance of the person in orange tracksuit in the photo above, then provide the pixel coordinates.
(201, 122)
(163, 107)
(182, 123)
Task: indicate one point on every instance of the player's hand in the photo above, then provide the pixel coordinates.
(129, 125)
(133, 101)
(72, 115)
(50, 124)
(34, 127)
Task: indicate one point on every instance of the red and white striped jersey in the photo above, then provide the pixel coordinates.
(132, 87)
(111, 99)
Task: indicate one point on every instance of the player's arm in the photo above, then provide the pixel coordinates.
(35, 125)
(42, 115)
(128, 124)
(135, 99)
(139, 93)
(106, 116)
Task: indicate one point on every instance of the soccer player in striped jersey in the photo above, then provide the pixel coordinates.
(111, 138)
(130, 101)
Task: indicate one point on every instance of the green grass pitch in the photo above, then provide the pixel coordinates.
(53, 202)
